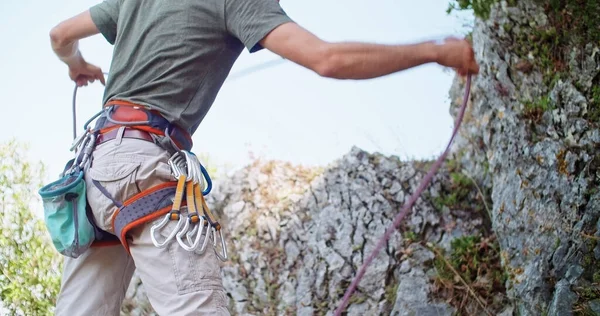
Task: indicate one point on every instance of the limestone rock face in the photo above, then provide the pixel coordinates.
(296, 236)
(531, 138)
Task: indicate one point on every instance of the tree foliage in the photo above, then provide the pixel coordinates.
(481, 8)
(29, 265)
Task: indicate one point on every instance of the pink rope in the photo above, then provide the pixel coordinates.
(407, 206)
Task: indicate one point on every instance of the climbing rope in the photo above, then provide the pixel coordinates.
(407, 206)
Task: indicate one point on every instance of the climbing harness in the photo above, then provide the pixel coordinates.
(413, 198)
(192, 183)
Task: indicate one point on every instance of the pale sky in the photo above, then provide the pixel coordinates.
(283, 112)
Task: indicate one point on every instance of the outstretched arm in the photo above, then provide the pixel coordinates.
(65, 38)
(364, 60)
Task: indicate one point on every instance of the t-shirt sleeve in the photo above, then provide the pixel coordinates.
(106, 15)
(251, 20)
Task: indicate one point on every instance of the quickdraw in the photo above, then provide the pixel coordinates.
(191, 176)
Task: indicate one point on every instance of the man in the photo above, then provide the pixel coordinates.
(173, 57)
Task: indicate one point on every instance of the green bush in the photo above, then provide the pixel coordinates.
(29, 265)
(481, 8)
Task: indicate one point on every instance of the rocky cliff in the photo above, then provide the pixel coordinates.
(532, 138)
(509, 226)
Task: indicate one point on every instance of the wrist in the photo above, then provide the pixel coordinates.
(73, 61)
(434, 51)
(67, 52)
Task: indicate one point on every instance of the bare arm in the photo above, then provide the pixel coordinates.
(65, 36)
(358, 60)
(64, 40)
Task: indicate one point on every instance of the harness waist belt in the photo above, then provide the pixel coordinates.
(127, 133)
(122, 113)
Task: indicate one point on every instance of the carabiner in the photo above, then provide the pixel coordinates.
(193, 243)
(181, 232)
(222, 256)
(203, 175)
(78, 140)
(198, 229)
(175, 162)
(208, 180)
(87, 150)
(189, 160)
(174, 213)
(206, 238)
(160, 225)
(193, 168)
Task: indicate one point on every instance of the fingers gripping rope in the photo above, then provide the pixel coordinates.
(407, 206)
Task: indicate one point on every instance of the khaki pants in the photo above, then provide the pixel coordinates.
(177, 282)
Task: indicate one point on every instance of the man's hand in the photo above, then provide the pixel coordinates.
(458, 54)
(83, 73)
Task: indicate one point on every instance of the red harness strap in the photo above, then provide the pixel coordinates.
(152, 122)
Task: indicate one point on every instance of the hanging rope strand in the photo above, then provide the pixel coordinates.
(407, 206)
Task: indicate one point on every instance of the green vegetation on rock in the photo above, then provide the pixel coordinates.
(472, 267)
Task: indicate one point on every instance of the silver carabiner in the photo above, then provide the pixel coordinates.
(78, 140)
(192, 167)
(206, 238)
(196, 231)
(199, 174)
(177, 172)
(186, 226)
(160, 225)
(87, 150)
(222, 256)
(175, 163)
(195, 242)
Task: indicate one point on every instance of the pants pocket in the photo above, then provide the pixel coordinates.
(193, 271)
(118, 178)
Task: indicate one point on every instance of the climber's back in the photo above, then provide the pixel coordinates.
(175, 55)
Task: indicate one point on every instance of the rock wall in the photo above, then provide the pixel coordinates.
(299, 235)
(532, 137)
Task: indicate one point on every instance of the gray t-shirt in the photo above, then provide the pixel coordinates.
(173, 56)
